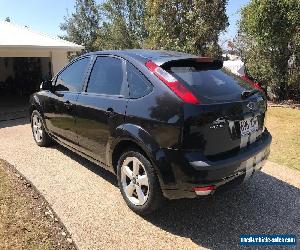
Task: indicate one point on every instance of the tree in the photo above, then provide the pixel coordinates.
(7, 19)
(190, 26)
(269, 43)
(123, 27)
(83, 25)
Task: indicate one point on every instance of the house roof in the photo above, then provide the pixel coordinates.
(16, 36)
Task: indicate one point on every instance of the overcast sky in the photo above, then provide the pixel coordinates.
(45, 15)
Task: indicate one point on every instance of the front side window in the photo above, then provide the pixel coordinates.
(139, 86)
(71, 79)
(107, 76)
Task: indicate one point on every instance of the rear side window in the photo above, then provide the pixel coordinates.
(139, 86)
(107, 76)
(210, 85)
(71, 79)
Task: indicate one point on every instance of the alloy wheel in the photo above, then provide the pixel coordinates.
(135, 181)
(37, 128)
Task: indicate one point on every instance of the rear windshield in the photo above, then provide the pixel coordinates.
(210, 85)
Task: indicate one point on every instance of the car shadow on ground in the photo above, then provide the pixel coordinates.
(14, 121)
(106, 175)
(263, 205)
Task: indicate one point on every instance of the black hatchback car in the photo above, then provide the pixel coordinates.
(168, 124)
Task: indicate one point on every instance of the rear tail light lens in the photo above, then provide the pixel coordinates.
(207, 188)
(177, 87)
(252, 83)
(204, 190)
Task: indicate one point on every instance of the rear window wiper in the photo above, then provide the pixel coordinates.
(247, 93)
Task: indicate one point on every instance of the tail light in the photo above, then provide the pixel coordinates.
(204, 190)
(177, 87)
(254, 84)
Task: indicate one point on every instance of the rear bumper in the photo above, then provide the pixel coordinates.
(188, 170)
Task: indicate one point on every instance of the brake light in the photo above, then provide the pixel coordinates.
(207, 188)
(177, 87)
(204, 190)
(253, 84)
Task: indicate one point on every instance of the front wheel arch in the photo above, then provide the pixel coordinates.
(45, 138)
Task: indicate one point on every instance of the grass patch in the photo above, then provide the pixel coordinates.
(284, 125)
(26, 221)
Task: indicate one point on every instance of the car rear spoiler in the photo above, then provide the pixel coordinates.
(203, 62)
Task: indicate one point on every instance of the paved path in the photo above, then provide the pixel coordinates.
(89, 203)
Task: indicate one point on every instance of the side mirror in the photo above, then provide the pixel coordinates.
(46, 85)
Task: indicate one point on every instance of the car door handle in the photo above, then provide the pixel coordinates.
(68, 104)
(110, 112)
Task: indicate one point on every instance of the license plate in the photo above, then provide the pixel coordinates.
(248, 126)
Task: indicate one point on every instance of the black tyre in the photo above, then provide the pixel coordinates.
(138, 183)
(38, 130)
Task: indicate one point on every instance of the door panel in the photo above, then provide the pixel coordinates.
(102, 107)
(59, 116)
(96, 119)
(60, 107)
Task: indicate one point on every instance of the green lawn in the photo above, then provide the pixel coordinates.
(284, 125)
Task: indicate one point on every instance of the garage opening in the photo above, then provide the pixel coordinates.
(19, 78)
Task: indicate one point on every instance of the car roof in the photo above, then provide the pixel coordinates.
(142, 55)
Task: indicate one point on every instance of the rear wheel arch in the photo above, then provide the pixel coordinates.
(135, 136)
(124, 145)
(138, 182)
(129, 144)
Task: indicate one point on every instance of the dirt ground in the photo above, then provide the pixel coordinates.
(26, 221)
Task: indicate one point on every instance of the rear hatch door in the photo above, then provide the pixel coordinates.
(231, 112)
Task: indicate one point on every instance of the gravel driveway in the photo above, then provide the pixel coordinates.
(88, 202)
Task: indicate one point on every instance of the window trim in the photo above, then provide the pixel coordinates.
(150, 83)
(67, 66)
(124, 83)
